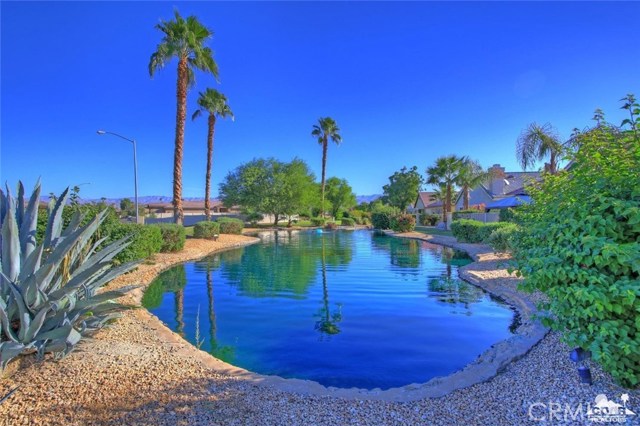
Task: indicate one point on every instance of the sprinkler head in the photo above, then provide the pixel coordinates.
(585, 375)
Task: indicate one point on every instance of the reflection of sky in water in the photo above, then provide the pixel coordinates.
(341, 308)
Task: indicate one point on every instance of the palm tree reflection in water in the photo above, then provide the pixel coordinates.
(327, 325)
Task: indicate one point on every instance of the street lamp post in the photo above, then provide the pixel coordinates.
(135, 165)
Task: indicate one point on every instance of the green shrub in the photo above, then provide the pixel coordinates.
(501, 239)
(173, 237)
(429, 219)
(230, 225)
(403, 223)
(145, 241)
(466, 230)
(506, 215)
(347, 221)
(579, 243)
(381, 220)
(474, 231)
(318, 221)
(206, 230)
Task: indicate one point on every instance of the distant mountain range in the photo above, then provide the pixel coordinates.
(153, 199)
(367, 198)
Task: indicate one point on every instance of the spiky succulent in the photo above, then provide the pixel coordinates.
(48, 289)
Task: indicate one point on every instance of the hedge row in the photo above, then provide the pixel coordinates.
(347, 221)
(230, 225)
(206, 230)
(497, 234)
(398, 223)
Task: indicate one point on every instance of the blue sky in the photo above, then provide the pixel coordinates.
(406, 82)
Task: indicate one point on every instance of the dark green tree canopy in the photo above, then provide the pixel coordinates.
(340, 195)
(213, 102)
(403, 187)
(270, 186)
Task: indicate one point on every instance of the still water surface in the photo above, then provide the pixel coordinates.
(345, 309)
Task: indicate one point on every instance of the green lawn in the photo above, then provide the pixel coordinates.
(433, 231)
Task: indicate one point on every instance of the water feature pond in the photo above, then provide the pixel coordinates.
(343, 308)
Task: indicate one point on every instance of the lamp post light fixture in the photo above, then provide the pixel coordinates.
(135, 165)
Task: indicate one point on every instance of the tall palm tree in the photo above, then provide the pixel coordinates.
(325, 129)
(445, 172)
(184, 40)
(440, 194)
(536, 143)
(471, 175)
(215, 103)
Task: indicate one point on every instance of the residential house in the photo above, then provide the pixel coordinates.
(504, 184)
(426, 204)
(189, 208)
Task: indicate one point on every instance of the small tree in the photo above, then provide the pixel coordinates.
(403, 188)
(579, 244)
(340, 195)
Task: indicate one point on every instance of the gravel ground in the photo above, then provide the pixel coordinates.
(140, 373)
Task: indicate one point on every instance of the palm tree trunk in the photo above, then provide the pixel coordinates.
(181, 116)
(447, 201)
(553, 166)
(179, 300)
(466, 198)
(324, 166)
(212, 314)
(207, 185)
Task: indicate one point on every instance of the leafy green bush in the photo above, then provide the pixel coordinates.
(347, 221)
(506, 215)
(429, 219)
(109, 223)
(48, 296)
(145, 241)
(474, 231)
(206, 230)
(403, 223)
(381, 220)
(318, 221)
(173, 237)
(579, 243)
(230, 225)
(501, 239)
(466, 230)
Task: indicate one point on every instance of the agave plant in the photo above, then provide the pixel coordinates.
(48, 289)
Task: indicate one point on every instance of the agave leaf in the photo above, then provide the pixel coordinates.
(104, 297)
(36, 324)
(20, 204)
(95, 246)
(4, 206)
(10, 246)
(6, 326)
(31, 264)
(8, 351)
(54, 225)
(74, 224)
(23, 312)
(66, 245)
(79, 279)
(66, 333)
(106, 254)
(29, 223)
(111, 274)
